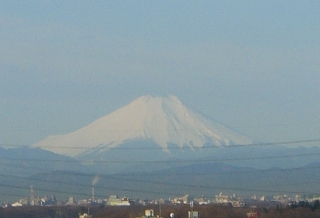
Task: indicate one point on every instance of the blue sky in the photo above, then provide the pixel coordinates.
(252, 65)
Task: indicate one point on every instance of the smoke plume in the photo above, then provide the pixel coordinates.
(95, 180)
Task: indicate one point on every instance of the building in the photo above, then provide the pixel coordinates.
(17, 204)
(85, 215)
(237, 203)
(181, 200)
(193, 214)
(70, 201)
(149, 214)
(115, 201)
(222, 199)
(202, 200)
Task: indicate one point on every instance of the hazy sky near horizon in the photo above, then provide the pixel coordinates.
(251, 65)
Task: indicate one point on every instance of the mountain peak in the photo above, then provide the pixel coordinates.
(162, 120)
(152, 99)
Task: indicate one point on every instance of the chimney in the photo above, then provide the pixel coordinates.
(32, 196)
(92, 194)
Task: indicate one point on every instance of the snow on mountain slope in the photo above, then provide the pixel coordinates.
(163, 120)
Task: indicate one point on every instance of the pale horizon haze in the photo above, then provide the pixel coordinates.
(253, 66)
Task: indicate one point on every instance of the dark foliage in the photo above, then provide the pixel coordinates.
(180, 211)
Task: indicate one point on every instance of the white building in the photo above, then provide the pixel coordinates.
(149, 213)
(70, 201)
(17, 204)
(202, 200)
(115, 201)
(220, 198)
(85, 215)
(193, 214)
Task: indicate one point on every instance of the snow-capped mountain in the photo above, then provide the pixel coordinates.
(163, 121)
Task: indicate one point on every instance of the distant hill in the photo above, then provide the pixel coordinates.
(50, 173)
(27, 161)
(195, 180)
